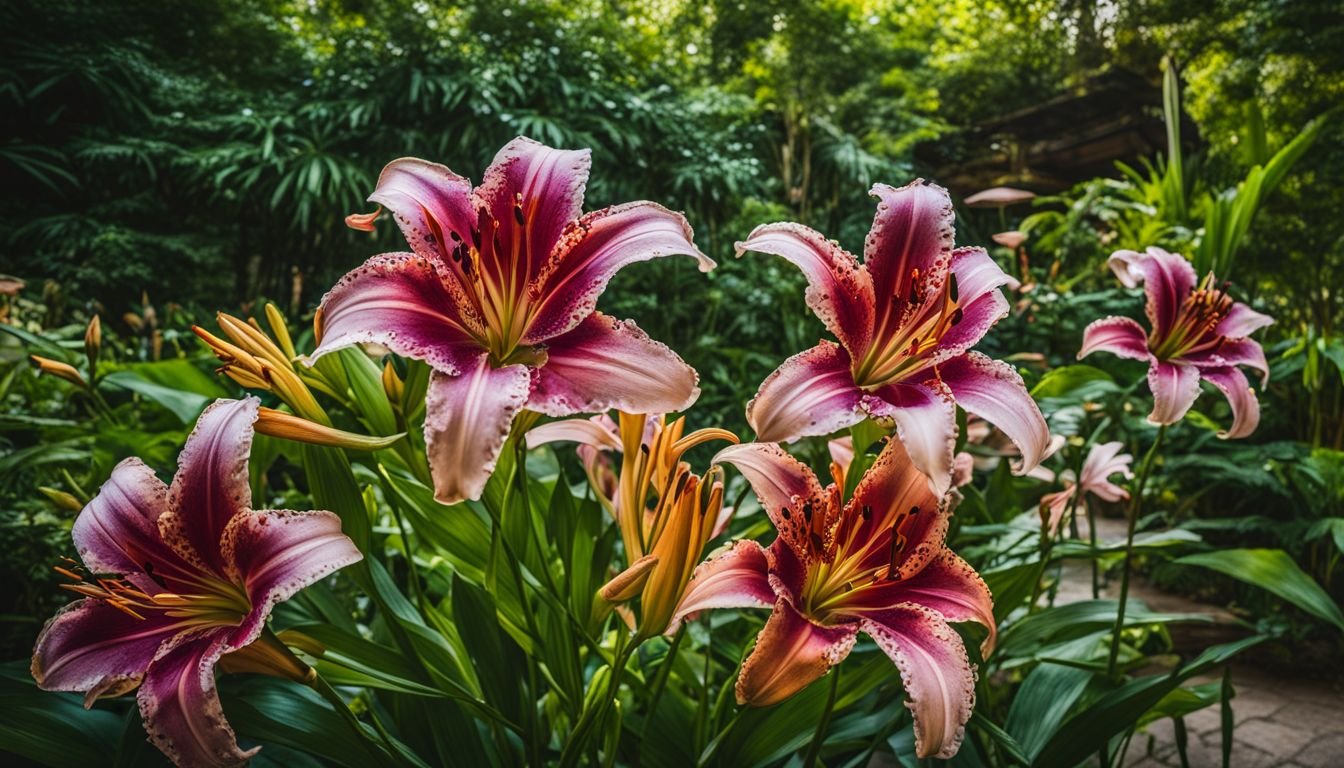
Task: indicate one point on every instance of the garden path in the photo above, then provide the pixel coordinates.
(1281, 720)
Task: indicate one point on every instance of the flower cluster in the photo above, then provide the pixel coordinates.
(497, 295)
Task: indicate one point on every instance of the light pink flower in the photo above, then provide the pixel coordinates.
(905, 319)
(499, 297)
(197, 573)
(1198, 332)
(878, 565)
(1102, 461)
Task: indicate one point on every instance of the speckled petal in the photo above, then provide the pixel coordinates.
(782, 484)
(1241, 321)
(467, 419)
(812, 393)
(839, 289)
(606, 363)
(947, 584)
(734, 577)
(90, 646)
(402, 301)
(430, 204)
(791, 653)
(1167, 280)
(1120, 336)
(926, 422)
(591, 252)
(1175, 387)
(911, 230)
(894, 493)
(180, 706)
(938, 676)
(275, 553)
(992, 390)
(211, 485)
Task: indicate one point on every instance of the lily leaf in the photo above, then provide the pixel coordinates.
(1275, 571)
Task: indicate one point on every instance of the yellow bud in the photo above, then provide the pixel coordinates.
(93, 341)
(629, 582)
(290, 427)
(58, 369)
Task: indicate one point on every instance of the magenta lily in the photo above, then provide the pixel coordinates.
(197, 571)
(1102, 461)
(498, 296)
(905, 320)
(1198, 332)
(878, 564)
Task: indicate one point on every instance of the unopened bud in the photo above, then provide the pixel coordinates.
(61, 499)
(629, 582)
(58, 369)
(290, 427)
(93, 341)
(392, 383)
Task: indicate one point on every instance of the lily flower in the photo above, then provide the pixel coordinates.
(905, 320)
(1198, 332)
(1102, 461)
(179, 578)
(663, 542)
(877, 565)
(498, 296)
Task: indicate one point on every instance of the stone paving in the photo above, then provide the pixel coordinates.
(1294, 722)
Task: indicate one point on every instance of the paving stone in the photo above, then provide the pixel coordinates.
(1207, 720)
(1277, 739)
(1324, 752)
(1317, 719)
(1211, 756)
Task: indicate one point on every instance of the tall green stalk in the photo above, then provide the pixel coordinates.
(1135, 504)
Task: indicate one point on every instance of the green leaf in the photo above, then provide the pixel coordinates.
(52, 728)
(1274, 570)
(1062, 381)
(1092, 729)
(186, 406)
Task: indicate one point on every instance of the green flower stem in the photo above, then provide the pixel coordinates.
(1135, 505)
(814, 750)
(324, 689)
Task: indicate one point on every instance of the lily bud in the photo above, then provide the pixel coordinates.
(363, 221)
(93, 341)
(393, 386)
(61, 499)
(58, 369)
(629, 582)
(267, 655)
(290, 427)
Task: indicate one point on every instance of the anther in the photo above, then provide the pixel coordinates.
(952, 287)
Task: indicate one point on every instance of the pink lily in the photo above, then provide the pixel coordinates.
(498, 296)
(1198, 332)
(878, 564)
(1102, 461)
(905, 320)
(197, 571)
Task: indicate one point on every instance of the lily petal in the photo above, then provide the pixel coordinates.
(737, 577)
(1167, 277)
(275, 553)
(893, 491)
(430, 204)
(992, 390)
(977, 317)
(91, 646)
(978, 274)
(592, 252)
(948, 585)
(466, 423)
(1241, 321)
(211, 485)
(782, 484)
(1231, 353)
(117, 531)
(548, 184)
(791, 652)
(812, 393)
(1120, 336)
(180, 706)
(938, 677)
(911, 230)
(585, 432)
(839, 289)
(605, 363)
(926, 423)
(1175, 387)
(404, 302)
(1245, 406)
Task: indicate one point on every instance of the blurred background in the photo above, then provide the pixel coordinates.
(162, 161)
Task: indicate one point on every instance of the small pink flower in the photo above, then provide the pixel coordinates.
(1198, 332)
(182, 575)
(499, 297)
(906, 320)
(1102, 461)
(877, 565)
